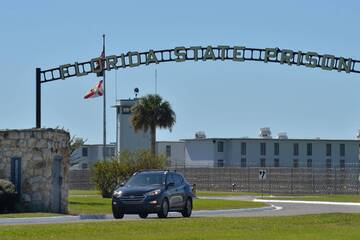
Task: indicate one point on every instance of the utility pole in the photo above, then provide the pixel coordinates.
(104, 102)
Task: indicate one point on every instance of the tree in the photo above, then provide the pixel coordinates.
(76, 142)
(151, 112)
(109, 174)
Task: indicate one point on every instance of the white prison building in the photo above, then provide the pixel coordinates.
(262, 151)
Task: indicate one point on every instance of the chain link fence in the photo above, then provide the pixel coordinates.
(277, 180)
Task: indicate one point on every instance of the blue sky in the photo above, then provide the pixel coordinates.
(224, 99)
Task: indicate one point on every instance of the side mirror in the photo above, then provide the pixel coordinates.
(170, 184)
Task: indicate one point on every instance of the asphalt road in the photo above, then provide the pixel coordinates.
(275, 208)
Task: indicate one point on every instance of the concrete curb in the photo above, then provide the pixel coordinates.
(307, 202)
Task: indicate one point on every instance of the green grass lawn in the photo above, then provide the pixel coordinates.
(312, 227)
(83, 192)
(218, 194)
(328, 197)
(95, 204)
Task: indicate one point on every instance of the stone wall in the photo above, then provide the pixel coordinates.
(43, 159)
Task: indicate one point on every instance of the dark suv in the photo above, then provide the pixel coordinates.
(153, 192)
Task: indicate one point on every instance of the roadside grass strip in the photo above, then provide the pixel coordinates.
(95, 204)
(319, 227)
(225, 194)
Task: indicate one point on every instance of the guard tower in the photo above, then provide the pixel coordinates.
(126, 137)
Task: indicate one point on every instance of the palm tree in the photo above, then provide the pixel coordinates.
(151, 112)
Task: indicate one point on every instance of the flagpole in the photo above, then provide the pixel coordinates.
(104, 104)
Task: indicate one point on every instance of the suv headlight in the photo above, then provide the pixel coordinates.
(117, 193)
(153, 193)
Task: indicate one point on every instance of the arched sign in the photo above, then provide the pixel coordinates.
(196, 53)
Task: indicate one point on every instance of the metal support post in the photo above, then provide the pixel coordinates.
(38, 98)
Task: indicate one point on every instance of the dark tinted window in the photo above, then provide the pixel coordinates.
(328, 149)
(168, 150)
(84, 152)
(276, 149)
(170, 178)
(220, 146)
(342, 150)
(309, 149)
(243, 148)
(262, 149)
(146, 178)
(178, 180)
(296, 149)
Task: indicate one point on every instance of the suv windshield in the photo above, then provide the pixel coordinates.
(146, 178)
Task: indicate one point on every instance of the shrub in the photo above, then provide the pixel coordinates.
(8, 196)
(108, 174)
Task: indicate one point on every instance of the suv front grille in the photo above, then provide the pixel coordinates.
(132, 199)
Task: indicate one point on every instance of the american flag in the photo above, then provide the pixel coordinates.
(99, 63)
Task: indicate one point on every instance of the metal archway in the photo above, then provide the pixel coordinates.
(196, 53)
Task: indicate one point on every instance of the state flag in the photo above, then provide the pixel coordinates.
(96, 91)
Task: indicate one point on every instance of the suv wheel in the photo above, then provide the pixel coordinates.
(164, 209)
(143, 215)
(187, 208)
(117, 214)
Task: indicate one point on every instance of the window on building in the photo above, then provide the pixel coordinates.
(84, 166)
(220, 163)
(296, 149)
(328, 149)
(243, 148)
(276, 162)
(342, 164)
(168, 150)
(262, 162)
(276, 149)
(296, 163)
(126, 110)
(110, 151)
(328, 163)
(309, 163)
(85, 152)
(342, 150)
(309, 149)
(220, 146)
(262, 149)
(243, 162)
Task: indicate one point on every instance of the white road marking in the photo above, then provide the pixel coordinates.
(308, 202)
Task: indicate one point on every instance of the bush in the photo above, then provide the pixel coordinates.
(8, 196)
(110, 173)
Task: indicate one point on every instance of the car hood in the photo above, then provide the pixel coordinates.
(138, 190)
